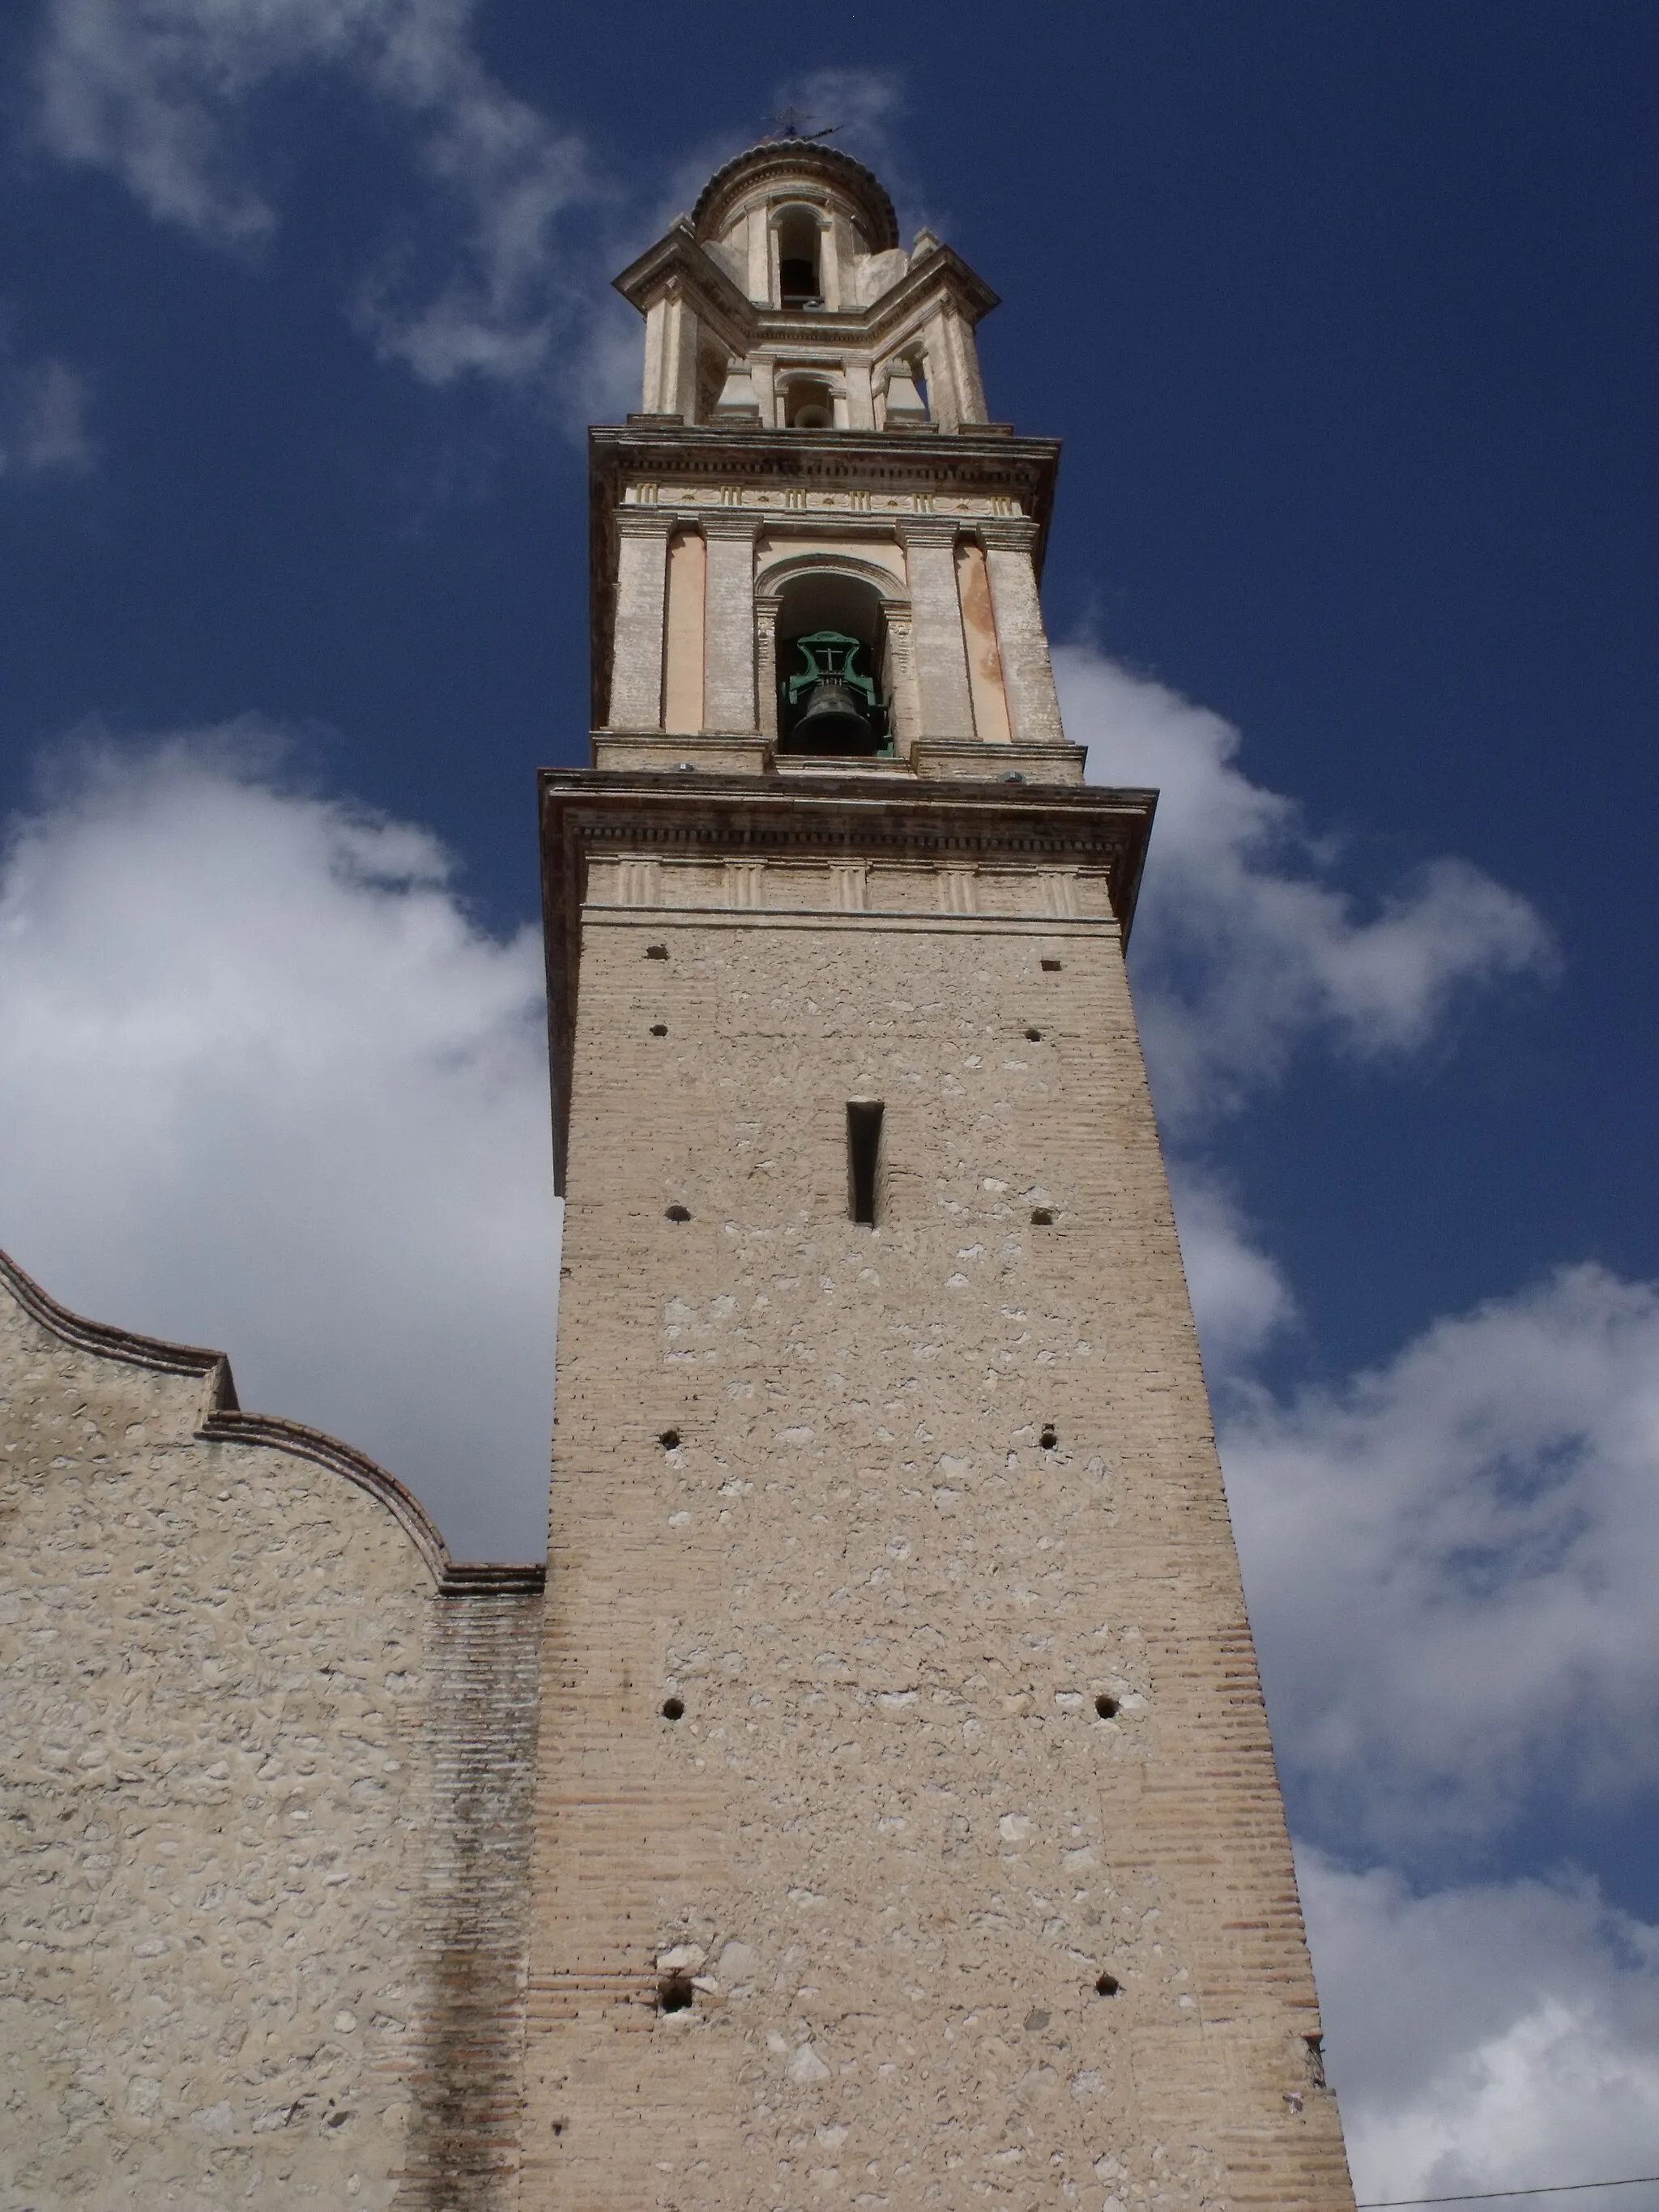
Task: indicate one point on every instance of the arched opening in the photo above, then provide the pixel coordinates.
(808, 404)
(800, 280)
(906, 398)
(832, 676)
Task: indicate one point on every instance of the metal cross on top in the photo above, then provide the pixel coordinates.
(788, 122)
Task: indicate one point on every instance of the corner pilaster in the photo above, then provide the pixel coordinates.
(729, 635)
(941, 655)
(642, 611)
(1027, 673)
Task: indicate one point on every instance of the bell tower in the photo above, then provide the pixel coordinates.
(907, 1829)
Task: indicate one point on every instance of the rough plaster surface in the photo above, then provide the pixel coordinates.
(800, 1484)
(229, 1918)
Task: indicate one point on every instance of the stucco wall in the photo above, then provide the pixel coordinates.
(221, 1927)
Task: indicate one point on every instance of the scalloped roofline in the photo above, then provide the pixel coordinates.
(224, 1422)
(784, 155)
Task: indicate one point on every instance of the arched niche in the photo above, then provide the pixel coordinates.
(810, 400)
(900, 387)
(805, 594)
(799, 230)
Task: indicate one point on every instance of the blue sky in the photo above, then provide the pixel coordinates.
(1347, 316)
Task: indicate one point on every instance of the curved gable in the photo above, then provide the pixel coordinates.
(210, 1407)
(240, 1667)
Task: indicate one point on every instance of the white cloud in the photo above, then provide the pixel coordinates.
(1486, 2036)
(1452, 1559)
(500, 268)
(266, 1086)
(163, 95)
(1241, 1299)
(1247, 949)
(149, 90)
(1245, 945)
(502, 263)
(43, 405)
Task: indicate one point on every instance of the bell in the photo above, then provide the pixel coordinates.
(827, 706)
(832, 721)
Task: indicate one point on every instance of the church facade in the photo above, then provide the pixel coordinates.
(872, 1801)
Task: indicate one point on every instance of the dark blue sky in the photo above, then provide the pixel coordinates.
(1347, 316)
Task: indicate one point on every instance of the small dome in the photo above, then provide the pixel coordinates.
(798, 160)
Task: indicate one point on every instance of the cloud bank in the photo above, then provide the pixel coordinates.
(1481, 1512)
(1487, 2037)
(501, 269)
(43, 409)
(266, 1086)
(1248, 945)
(168, 98)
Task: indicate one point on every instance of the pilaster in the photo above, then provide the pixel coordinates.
(670, 356)
(1027, 673)
(729, 640)
(941, 658)
(641, 609)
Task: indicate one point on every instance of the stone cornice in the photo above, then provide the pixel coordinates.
(108, 1342)
(224, 1422)
(678, 258)
(930, 461)
(588, 813)
(731, 522)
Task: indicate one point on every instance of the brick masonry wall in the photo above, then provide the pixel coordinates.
(473, 1931)
(890, 1841)
(248, 1760)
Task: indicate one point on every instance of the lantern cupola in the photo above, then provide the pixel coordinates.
(811, 546)
(785, 299)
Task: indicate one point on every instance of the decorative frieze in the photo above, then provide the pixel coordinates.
(819, 498)
(824, 886)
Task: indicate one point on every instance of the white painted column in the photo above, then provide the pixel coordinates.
(964, 346)
(831, 239)
(943, 401)
(1027, 674)
(758, 242)
(729, 637)
(641, 604)
(659, 316)
(671, 358)
(941, 659)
